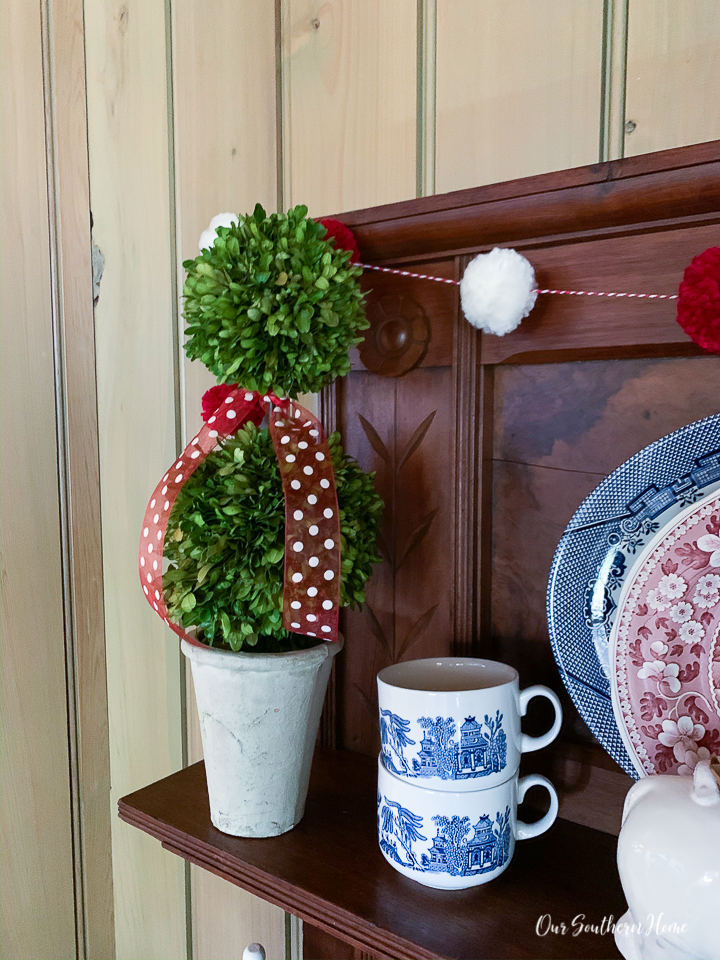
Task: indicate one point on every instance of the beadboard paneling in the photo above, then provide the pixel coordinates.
(85, 624)
(673, 80)
(224, 130)
(130, 198)
(225, 160)
(518, 88)
(349, 102)
(38, 915)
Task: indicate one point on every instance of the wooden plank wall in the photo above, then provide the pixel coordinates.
(76, 361)
(197, 108)
(130, 195)
(518, 88)
(38, 912)
(225, 159)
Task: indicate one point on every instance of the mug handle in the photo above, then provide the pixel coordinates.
(523, 831)
(528, 744)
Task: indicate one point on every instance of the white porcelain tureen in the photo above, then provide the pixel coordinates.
(669, 862)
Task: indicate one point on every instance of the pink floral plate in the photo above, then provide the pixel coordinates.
(665, 646)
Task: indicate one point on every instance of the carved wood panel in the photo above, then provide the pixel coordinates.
(403, 428)
(559, 429)
(484, 447)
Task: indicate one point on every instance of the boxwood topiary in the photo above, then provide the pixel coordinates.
(226, 544)
(273, 305)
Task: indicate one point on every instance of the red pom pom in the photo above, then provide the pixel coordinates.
(343, 237)
(214, 397)
(698, 310)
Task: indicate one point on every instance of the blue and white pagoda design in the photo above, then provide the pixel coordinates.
(483, 849)
(480, 750)
(452, 850)
(474, 754)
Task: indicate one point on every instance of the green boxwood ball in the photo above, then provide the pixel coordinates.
(273, 305)
(226, 544)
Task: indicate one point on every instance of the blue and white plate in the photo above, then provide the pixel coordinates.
(599, 549)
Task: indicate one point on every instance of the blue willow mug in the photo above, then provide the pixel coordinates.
(453, 840)
(453, 723)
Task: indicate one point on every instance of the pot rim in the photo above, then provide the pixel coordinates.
(261, 662)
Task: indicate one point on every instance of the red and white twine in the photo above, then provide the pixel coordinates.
(570, 293)
(407, 273)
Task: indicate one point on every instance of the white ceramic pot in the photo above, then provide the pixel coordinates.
(451, 841)
(669, 863)
(259, 717)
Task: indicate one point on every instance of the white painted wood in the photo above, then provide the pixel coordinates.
(225, 159)
(224, 130)
(518, 88)
(66, 132)
(349, 108)
(37, 867)
(130, 197)
(673, 80)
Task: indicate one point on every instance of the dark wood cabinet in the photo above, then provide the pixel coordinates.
(329, 871)
(483, 447)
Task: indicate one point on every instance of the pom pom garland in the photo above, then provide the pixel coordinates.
(343, 237)
(698, 310)
(209, 236)
(213, 397)
(498, 290)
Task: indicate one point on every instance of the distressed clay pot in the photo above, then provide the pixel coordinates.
(259, 717)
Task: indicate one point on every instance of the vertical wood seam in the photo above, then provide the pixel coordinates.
(330, 414)
(293, 937)
(178, 395)
(61, 426)
(484, 542)
(605, 71)
(283, 106)
(280, 145)
(426, 112)
(79, 470)
(613, 79)
(466, 477)
(622, 42)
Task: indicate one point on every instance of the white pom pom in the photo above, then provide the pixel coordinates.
(497, 290)
(209, 236)
(254, 951)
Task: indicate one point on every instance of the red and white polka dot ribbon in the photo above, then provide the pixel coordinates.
(311, 596)
(312, 531)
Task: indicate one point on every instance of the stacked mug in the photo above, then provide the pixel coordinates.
(448, 770)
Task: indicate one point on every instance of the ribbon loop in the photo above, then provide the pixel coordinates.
(311, 595)
(238, 408)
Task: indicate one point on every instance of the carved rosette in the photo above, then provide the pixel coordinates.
(398, 337)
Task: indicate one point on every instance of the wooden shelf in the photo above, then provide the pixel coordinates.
(329, 871)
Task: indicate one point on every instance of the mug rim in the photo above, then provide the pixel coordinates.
(382, 677)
